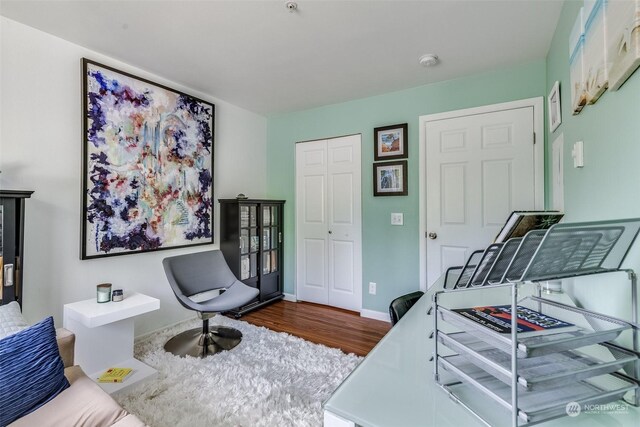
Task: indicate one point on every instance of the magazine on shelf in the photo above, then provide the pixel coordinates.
(530, 322)
(114, 375)
(520, 223)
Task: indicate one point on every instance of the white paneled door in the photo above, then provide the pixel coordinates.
(479, 168)
(328, 222)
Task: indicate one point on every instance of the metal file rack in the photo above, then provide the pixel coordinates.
(465, 272)
(488, 258)
(500, 265)
(535, 376)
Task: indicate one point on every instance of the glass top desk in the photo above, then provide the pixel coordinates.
(394, 386)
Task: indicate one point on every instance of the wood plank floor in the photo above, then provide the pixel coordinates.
(321, 324)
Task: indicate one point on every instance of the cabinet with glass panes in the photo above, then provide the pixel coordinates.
(251, 241)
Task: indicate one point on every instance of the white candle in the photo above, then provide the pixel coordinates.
(104, 292)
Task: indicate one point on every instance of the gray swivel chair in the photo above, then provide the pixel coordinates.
(194, 274)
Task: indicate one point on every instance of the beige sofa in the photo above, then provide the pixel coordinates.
(84, 403)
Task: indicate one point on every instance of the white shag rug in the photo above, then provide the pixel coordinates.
(269, 379)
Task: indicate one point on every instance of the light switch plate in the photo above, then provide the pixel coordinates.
(578, 154)
(397, 219)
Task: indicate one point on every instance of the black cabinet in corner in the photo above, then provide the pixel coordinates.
(252, 243)
(12, 244)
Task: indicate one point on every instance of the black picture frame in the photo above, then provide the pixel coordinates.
(390, 184)
(178, 136)
(391, 142)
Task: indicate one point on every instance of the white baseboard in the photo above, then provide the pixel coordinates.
(155, 331)
(378, 315)
(290, 297)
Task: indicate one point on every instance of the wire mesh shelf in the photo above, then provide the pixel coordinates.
(555, 369)
(544, 403)
(488, 258)
(523, 255)
(500, 265)
(468, 269)
(601, 329)
(578, 249)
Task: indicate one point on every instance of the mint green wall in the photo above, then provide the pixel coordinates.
(609, 184)
(390, 253)
(608, 187)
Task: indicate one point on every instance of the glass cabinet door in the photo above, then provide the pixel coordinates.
(244, 240)
(266, 215)
(266, 239)
(253, 216)
(249, 241)
(266, 262)
(271, 238)
(274, 261)
(244, 216)
(244, 267)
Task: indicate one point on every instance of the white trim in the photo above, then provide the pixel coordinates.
(147, 335)
(290, 297)
(538, 159)
(377, 315)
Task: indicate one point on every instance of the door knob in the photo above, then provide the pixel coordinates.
(432, 235)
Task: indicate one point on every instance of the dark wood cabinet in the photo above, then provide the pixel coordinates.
(12, 244)
(251, 241)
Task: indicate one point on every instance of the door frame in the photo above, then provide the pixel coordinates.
(538, 160)
(295, 218)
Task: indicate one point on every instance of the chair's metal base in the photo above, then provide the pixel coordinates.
(198, 344)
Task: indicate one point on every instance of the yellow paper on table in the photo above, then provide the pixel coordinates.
(114, 375)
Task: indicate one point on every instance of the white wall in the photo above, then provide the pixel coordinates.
(40, 150)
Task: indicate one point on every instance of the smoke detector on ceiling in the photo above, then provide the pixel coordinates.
(428, 60)
(291, 6)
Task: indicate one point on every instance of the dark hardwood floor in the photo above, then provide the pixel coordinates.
(321, 324)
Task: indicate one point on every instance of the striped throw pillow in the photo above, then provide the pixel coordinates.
(31, 371)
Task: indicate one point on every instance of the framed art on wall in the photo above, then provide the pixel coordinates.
(553, 105)
(147, 165)
(390, 178)
(390, 142)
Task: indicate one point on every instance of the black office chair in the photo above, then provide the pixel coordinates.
(194, 274)
(401, 305)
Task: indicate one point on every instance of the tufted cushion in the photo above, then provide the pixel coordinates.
(31, 370)
(11, 320)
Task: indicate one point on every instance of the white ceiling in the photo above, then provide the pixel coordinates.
(257, 55)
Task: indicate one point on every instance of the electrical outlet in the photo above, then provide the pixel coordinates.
(372, 288)
(397, 219)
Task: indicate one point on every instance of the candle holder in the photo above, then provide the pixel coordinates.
(117, 295)
(103, 292)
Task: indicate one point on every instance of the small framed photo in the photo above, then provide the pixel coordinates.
(555, 117)
(390, 178)
(390, 142)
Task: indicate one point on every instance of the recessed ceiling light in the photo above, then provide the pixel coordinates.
(428, 60)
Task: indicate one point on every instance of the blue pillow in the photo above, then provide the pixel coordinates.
(31, 371)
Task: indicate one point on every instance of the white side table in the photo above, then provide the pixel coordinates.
(104, 337)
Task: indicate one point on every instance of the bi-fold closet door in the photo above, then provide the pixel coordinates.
(329, 222)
